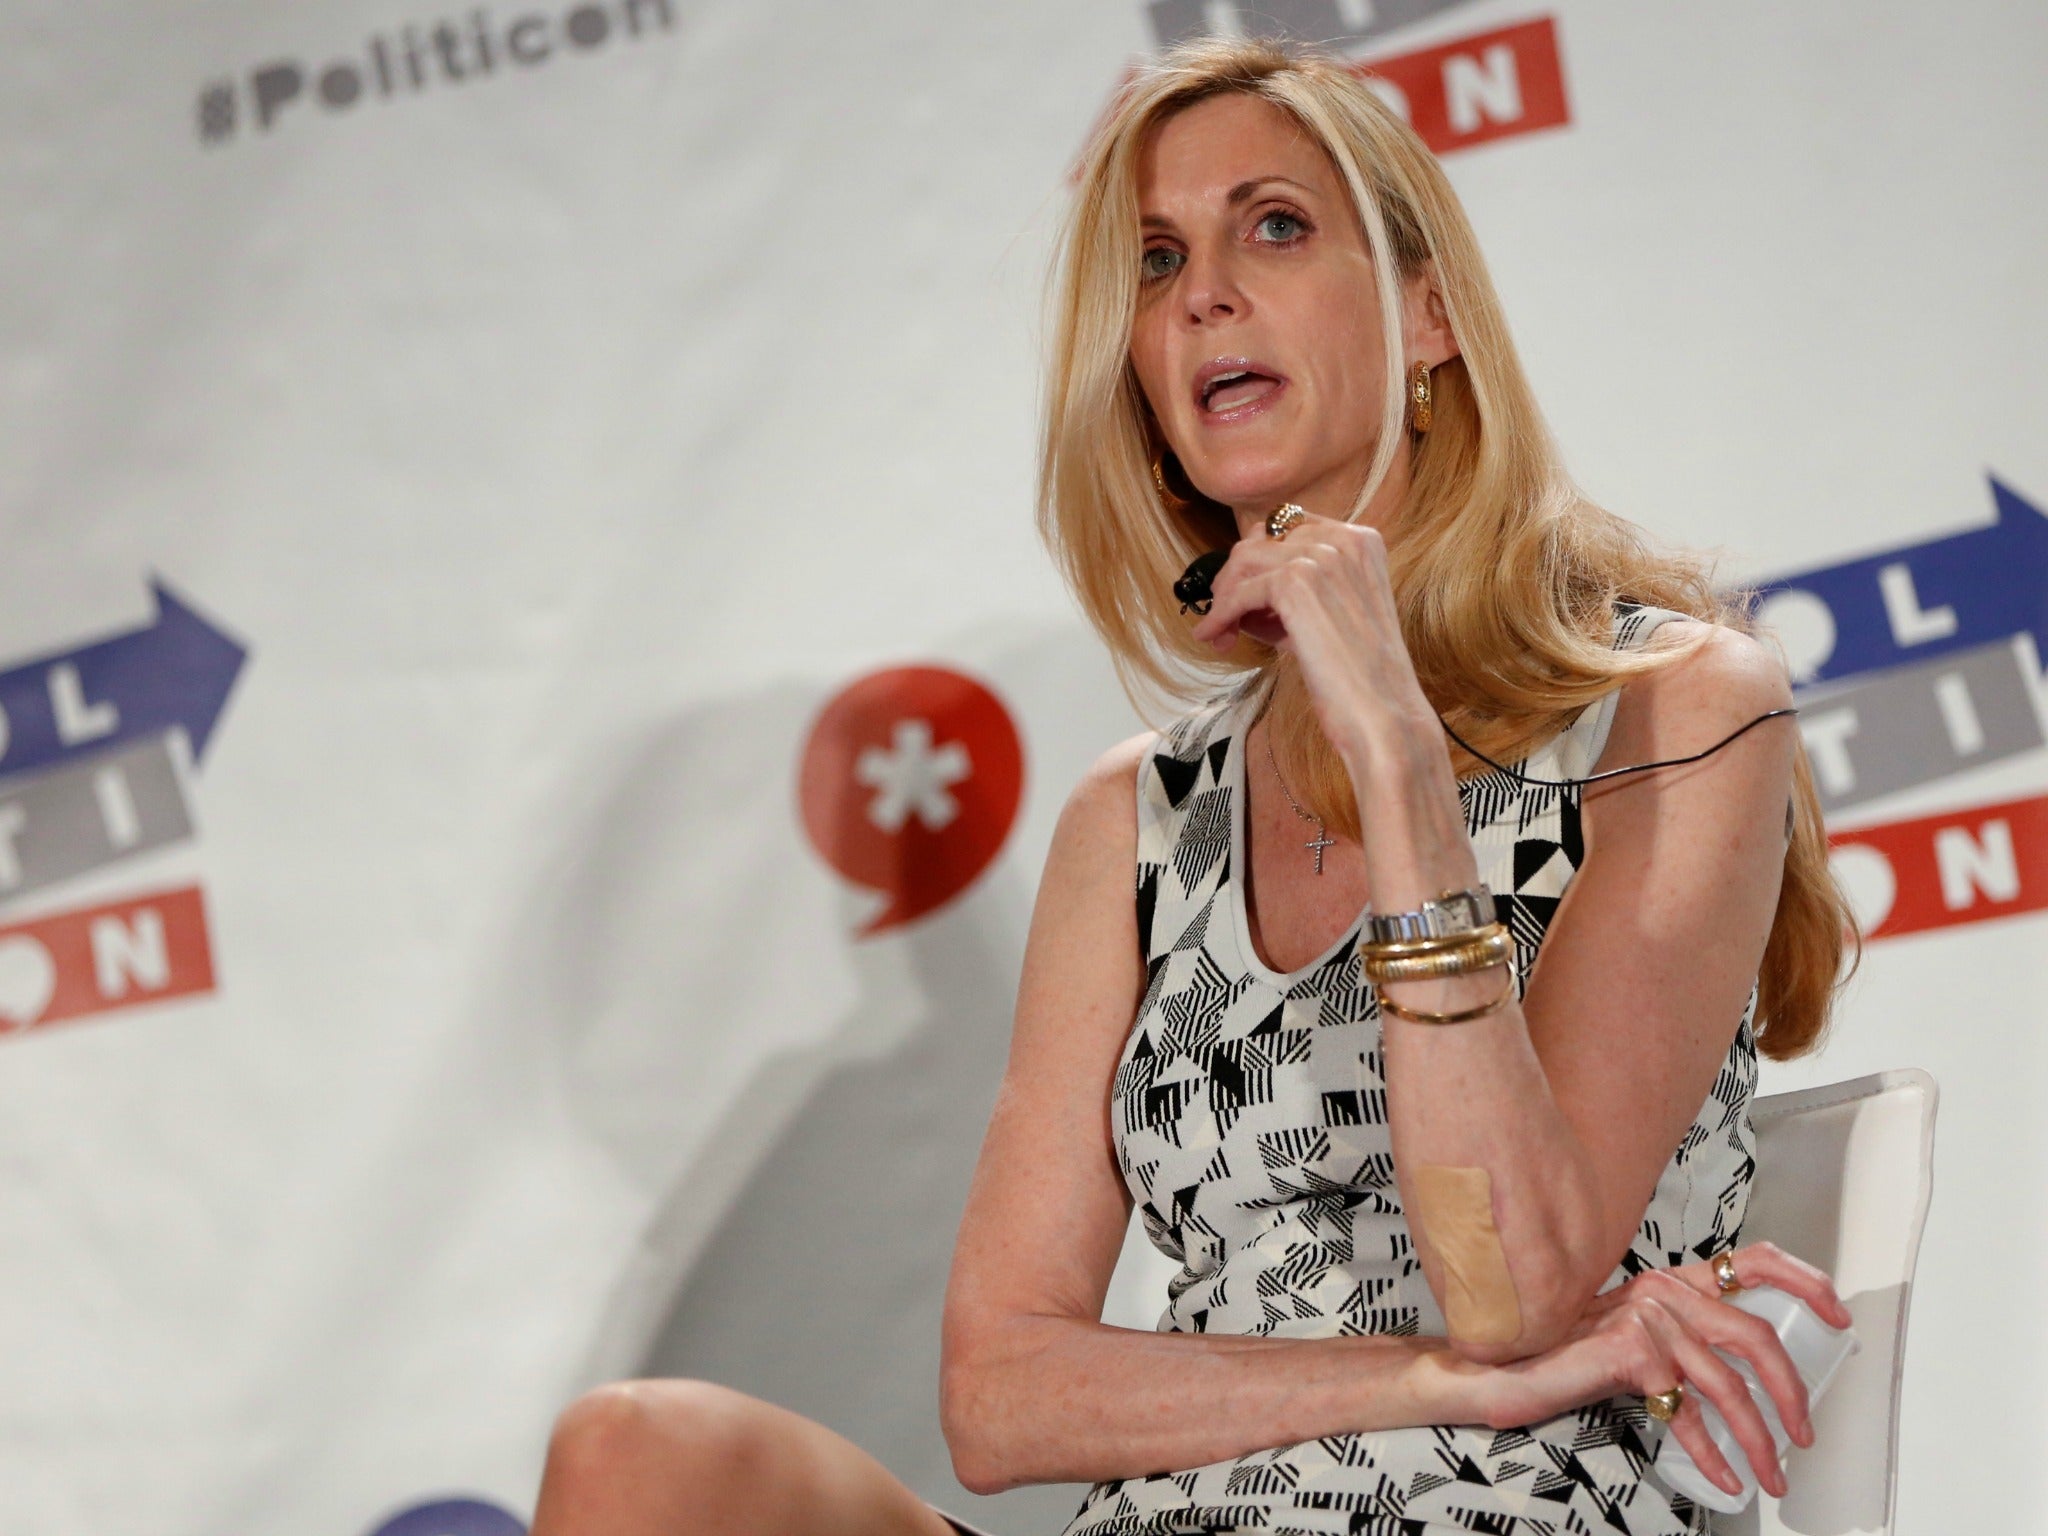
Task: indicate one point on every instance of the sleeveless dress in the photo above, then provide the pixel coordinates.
(1250, 1122)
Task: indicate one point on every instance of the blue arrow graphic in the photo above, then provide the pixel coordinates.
(1948, 594)
(177, 671)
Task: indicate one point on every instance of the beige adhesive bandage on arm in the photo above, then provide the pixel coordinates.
(1453, 1207)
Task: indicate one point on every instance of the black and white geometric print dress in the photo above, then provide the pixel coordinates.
(1250, 1121)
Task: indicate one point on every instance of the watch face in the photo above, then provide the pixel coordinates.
(1454, 912)
(1473, 909)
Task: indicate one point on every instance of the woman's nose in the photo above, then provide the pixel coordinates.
(1209, 290)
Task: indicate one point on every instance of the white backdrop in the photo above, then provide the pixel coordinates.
(443, 480)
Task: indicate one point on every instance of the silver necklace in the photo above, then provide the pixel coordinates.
(1322, 839)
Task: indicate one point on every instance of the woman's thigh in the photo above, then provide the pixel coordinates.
(672, 1458)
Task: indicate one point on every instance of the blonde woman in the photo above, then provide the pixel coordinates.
(1452, 1215)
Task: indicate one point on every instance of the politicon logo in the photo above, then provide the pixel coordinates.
(416, 57)
(98, 746)
(908, 786)
(1917, 665)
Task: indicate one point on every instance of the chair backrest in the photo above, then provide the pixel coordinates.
(1842, 1180)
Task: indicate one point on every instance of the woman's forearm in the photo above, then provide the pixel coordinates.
(1473, 1098)
(1060, 1399)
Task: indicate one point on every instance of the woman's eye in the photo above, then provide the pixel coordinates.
(1280, 227)
(1160, 261)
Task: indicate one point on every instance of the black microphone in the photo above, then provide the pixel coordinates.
(1193, 588)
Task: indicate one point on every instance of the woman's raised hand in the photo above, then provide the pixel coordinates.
(1661, 1328)
(1323, 593)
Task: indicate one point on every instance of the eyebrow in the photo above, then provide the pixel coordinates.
(1242, 193)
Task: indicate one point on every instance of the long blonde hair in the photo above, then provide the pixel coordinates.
(1505, 573)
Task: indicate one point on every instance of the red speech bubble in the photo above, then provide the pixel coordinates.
(909, 785)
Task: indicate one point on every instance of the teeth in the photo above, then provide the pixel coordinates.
(1221, 379)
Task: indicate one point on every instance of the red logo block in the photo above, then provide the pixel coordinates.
(1938, 871)
(1491, 85)
(909, 784)
(98, 959)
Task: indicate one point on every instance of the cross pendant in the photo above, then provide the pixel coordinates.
(1318, 843)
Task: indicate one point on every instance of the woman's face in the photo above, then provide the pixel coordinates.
(1258, 340)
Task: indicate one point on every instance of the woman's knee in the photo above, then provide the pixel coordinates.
(694, 1431)
(674, 1457)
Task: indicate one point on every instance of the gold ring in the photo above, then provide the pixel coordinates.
(1283, 519)
(1724, 1274)
(1664, 1406)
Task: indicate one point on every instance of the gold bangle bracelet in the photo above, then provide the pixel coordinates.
(1463, 1016)
(1398, 949)
(1473, 955)
(1432, 967)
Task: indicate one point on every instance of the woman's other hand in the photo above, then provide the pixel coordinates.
(1661, 1328)
(1323, 592)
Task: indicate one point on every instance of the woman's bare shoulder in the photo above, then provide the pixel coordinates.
(1727, 679)
(1105, 797)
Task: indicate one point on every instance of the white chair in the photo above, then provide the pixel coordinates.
(1842, 1180)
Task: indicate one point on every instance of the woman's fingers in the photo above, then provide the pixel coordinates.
(1273, 582)
(1309, 543)
(1768, 1264)
(1647, 1335)
(1707, 1374)
(1731, 1329)
(1245, 603)
(1258, 599)
(1689, 1429)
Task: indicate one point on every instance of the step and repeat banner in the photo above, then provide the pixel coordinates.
(531, 708)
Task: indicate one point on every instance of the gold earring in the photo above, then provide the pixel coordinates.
(1166, 492)
(1419, 392)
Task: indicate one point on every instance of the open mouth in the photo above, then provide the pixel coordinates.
(1232, 387)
